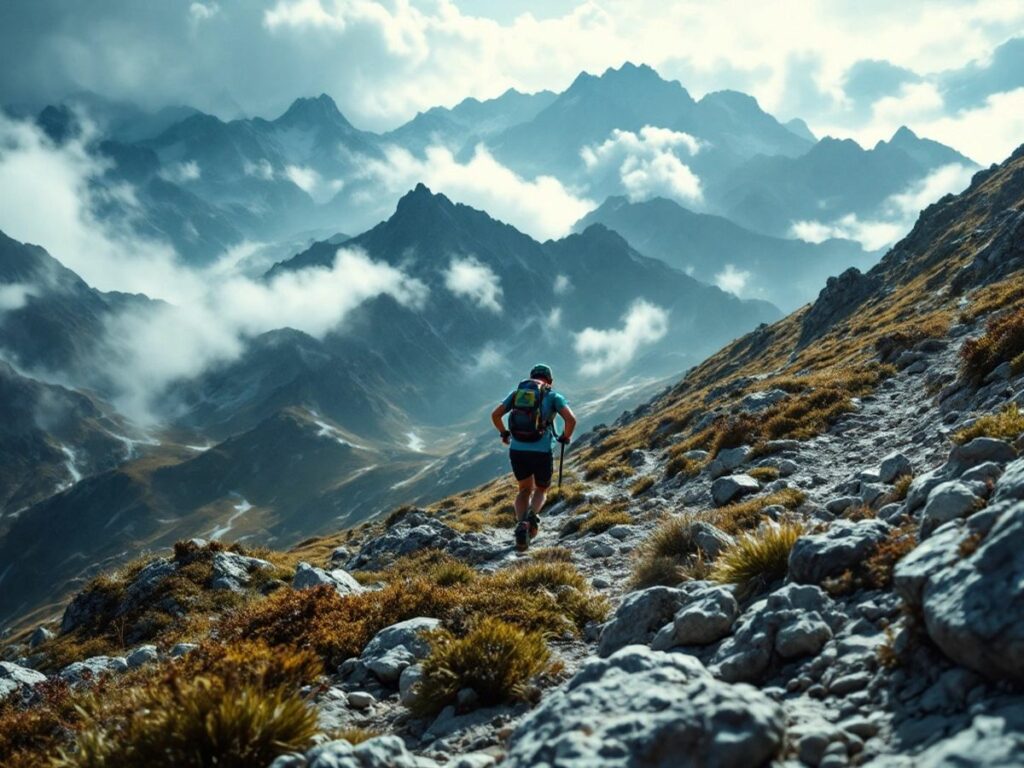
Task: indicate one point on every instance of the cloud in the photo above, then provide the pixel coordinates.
(648, 163)
(732, 280)
(607, 350)
(896, 215)
(312, 183)
(477, 282)
(200, 12)
(541, 207)
(261, 170)
(14, 296)
(487, 359)
(562, 284)
(182, 173)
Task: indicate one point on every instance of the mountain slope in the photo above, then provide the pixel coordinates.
(784, 272)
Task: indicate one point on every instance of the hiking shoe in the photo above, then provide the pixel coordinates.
(522, 536)
(534, 525)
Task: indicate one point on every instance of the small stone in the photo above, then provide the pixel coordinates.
(849, 683)
(732, 487)
(144, 654)
(361, 699)
(181, 649)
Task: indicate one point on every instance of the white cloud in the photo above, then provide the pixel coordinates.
(261, 170)
(648, 163)
(14, 296)
(487, 359)
(562, 284)
(541, 207)
(299, 14)
(312, 183)
(181, 173)
(476, 281)
(897, 213)
(200, 12)
(612, 349)
(733, 280)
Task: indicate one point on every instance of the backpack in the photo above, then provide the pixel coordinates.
(526, 420)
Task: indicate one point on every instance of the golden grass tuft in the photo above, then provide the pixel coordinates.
(1007, 425)
(745, 515)
(551, 555)
(494, 659)
(1003, 340)
(668, 556)
(642, 485)
(680, 465)
(764, 474)
(757, 559)
(603, 518)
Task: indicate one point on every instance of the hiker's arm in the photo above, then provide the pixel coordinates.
(496, 418)
(570, 421)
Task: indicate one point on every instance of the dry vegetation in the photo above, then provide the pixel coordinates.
(756, 559)
(875, 571)
(1003, 341)
(1008, 425)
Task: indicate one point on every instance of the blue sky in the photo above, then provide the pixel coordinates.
(849, 68)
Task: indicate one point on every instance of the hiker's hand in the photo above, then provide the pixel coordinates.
(506, 437)
(564, 440)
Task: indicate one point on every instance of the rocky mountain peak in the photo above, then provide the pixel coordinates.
(313, 111)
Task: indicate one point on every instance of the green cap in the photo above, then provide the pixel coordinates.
(541, 371)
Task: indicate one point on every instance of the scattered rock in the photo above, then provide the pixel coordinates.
(16, 680)
(946, 502)
(640, 615)
(396, 647)
(84, 672)
(182, 649)
(307, 576)
(232, 570)
(894, 466)
(710, 540)
(144, 654)
(819, 556)
(361, 699)
(732, 487)
(706, 617)
(39, 636)
(759, 401)
(416, 531)
(727, 460)
(601, 545)
(979, 451)
(643, 707)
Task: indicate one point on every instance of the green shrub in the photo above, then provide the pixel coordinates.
(494, 659)
(755, 560)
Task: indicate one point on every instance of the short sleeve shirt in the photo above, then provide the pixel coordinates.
(553, 403)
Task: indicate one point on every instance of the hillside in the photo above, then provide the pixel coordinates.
(805, 552)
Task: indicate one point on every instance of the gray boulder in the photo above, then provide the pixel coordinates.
(974, 607)
(991, 741)
(794, 621)
(378, 752)
(417, 531)
(640, 615)
(894, 466)
(820, 556)
(732, 487)
(16, 680)
(84, 672)
(1011, 482)
(232, 571)
(396, 647)
(143, 586)
(979, 451)
(307, 576)
(652, 709)
(711, 541)
(759, 401)
(706, 618)
(727, 460)
(144, 654)
(948, 501)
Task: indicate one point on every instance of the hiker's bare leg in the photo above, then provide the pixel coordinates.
(539, 497)
(523, 498)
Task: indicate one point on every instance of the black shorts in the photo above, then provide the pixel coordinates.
(537, 464)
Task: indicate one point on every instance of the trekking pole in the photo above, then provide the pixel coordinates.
(561, 458)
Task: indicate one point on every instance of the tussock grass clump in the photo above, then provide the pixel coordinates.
(641, 485)
(572, 493)
(551, 555)
(764, 474)
(755, 560)
(1003, 340)
(680, 465)
(494, 659)
(608, 468)
(993, 297)
(29, 734)
(745, 515)
(196, 722)
(1008, 425)
(900, 488)
(489, 506)
(905, 336)
(603, 518)
(666, 556)
(355, 735)
(859, 512)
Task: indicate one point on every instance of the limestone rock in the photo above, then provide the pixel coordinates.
(16, 680)
(646, 708)
(732, 487)
(307, 576)
(640, 615)
(819, 556)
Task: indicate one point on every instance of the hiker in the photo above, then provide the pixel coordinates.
(532, 407)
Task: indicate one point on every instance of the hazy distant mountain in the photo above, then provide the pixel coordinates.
(834, 178)
(629, 98)
(469, 121)
(786, 272)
